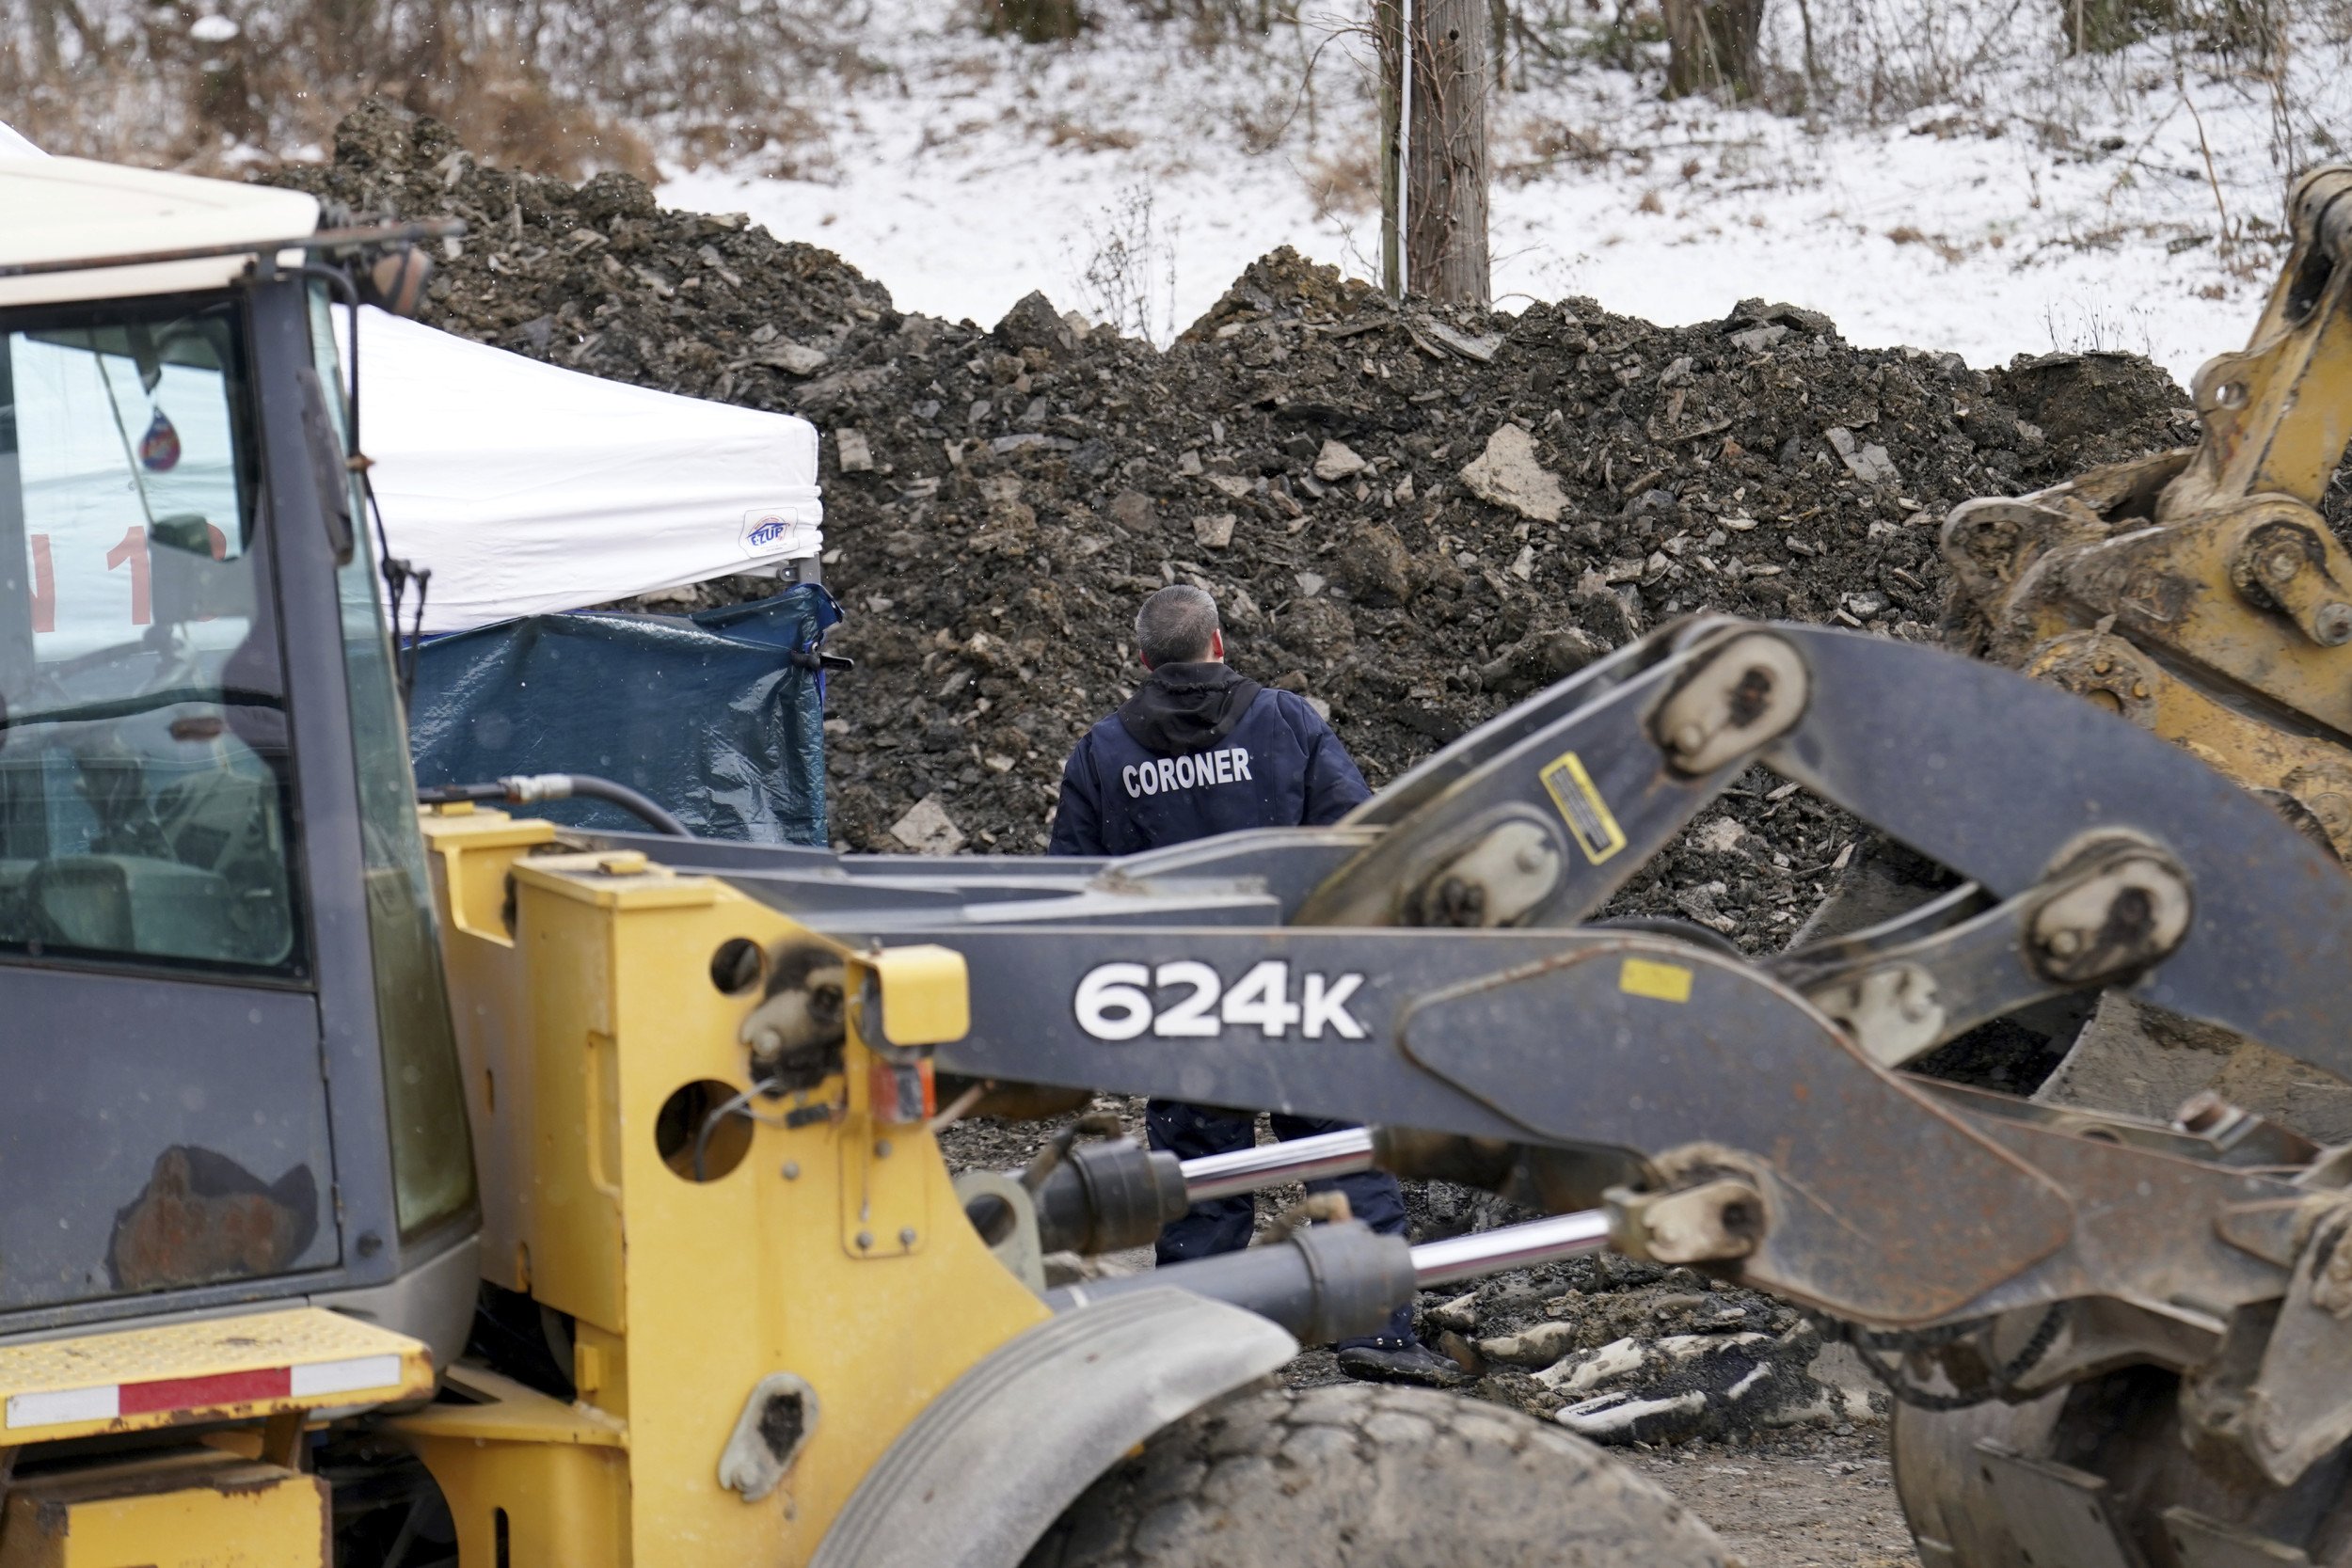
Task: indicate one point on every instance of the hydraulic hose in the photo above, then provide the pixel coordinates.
(521, 789)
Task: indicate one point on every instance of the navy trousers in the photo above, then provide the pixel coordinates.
(1225, 1224)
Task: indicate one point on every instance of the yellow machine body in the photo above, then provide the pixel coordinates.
(243, 1504)
(2200, 594)
(196, 1507)
(825, 1245)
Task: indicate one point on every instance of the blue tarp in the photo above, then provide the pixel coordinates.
(709, 714)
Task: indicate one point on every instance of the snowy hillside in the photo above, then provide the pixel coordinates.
(1945, 173)
(2049, 203)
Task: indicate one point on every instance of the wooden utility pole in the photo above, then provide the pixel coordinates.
(1433, 156)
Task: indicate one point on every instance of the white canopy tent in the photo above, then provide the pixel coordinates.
(523, 487)
(527, 488)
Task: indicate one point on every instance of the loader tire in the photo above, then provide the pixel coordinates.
(1355, 1476)
(2118, 1439)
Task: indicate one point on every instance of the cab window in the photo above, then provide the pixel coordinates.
(145, 759)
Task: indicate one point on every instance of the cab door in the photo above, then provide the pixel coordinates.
(164, 1103)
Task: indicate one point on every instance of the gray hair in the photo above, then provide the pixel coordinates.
(1176, 626)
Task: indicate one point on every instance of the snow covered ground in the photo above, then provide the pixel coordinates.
(2119, 202)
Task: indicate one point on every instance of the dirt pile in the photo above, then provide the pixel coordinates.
(1413, 517)
(1624, 1352)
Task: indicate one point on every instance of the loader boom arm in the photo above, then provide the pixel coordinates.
(1362, 972)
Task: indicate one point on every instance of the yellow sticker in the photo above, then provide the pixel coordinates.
(1587, 815)
(1660, 982)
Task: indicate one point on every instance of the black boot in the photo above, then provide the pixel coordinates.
(1388, 1361)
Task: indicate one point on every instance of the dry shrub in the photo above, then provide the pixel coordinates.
(1905, 234)
(1542, 145)
(520, 122)
(1345, 182)
(561, 87)
(1212, 20)
(1033, 20)
(1128, 278)
(787, 144)
(1062, 130)
(1875, 61)
(1263, 125)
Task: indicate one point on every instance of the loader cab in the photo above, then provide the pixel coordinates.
(224, 1035)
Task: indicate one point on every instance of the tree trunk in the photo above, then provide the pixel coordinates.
(1710, 45)
(47, 16)
(1442, 173)
(1812, 65)
(344, 38)
(1035, 21)
(2241, 27)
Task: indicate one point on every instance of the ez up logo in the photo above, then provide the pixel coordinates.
(1113, 1003)
(768, 531)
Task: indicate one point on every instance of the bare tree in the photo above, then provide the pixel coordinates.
(1710, 46)
(1433, 57)
(1035, 21)
(50, 20)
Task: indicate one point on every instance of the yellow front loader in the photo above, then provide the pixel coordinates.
(390, 1189)
(389, 1192)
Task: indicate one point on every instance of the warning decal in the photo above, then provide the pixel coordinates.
(1587, 815)
(1660, 982)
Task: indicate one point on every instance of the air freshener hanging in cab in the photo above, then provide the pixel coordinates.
(159, 448)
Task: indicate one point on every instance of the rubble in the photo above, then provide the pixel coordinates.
(1537, 1346)
(998, 501)
(927, 830)
(1506, 474)
(1687, 1386)
(1622, 1351)
(1336, 462)
(1868, 463)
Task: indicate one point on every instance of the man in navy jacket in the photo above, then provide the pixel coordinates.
(1201, 750)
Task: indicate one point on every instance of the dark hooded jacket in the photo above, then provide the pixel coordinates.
(1201, 750)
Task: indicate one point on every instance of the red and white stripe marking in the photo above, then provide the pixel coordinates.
(109, 1401)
